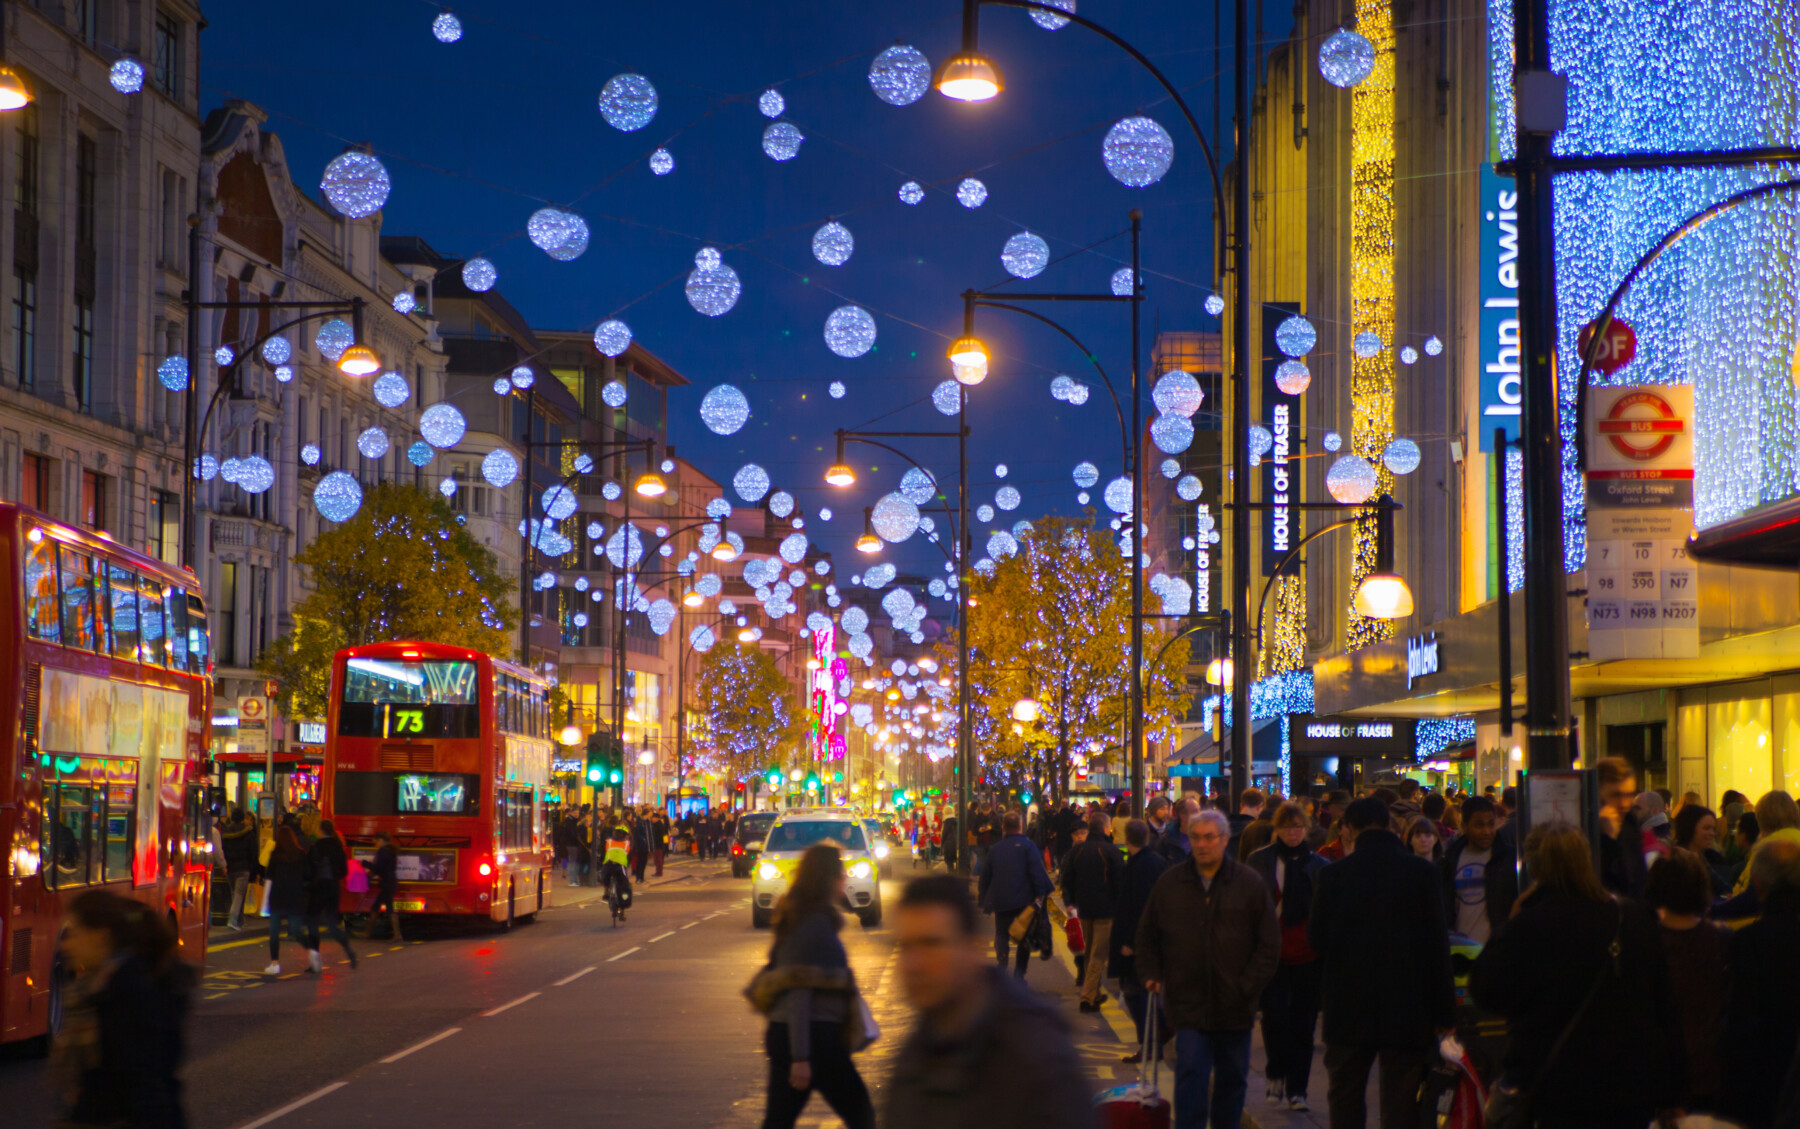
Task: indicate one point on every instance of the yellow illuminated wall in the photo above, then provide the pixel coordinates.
(1372, 283)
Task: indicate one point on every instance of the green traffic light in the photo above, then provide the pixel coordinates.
(594, 775)
(1025, 797)
(617, 776)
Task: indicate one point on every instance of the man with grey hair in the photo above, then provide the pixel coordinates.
(1762, 1026)
(1209, 941)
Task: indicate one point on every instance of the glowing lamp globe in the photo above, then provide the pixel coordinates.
(969, 76)
(693, 599)
(14, 94)
(570, 735)
(868, 542)
(359, 360)
(840, 474)
(1383, 595)
(968, 351)
(651, 485)
(1219, 672)
(724, 551)
(1025, 709)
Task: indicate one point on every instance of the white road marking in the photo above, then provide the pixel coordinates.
(515, 1003)
(690, 925)
(293, 1105)
(626, 953)
(567, 980)
(662, 936)
(440, 1036)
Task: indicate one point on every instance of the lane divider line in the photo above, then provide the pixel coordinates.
(690, 925)
(293, 1105)
(662, 936)
(567, 980)
(626, 953)
(513, 1004)
(439, 1037)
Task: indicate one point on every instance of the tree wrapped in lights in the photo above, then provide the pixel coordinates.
(402, 568)
(1053, 623)
(745, 710)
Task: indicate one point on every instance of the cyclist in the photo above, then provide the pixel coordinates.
(613, 869)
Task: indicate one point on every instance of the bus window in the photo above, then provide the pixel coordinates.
(153, 646)
(122, 587)
(396, 698)
(406, 793)
(43, 618)
(199, 642)
(121, 825)
(77, 601)
(178, 629)
(71, 829)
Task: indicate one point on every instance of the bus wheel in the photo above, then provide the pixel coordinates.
(511, 905)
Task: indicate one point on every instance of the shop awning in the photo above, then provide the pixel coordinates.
(1768, 537)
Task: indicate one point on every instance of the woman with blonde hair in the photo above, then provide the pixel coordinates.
(1777, 820)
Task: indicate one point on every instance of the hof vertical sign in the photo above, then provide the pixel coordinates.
(1643, 590)
(1281, 479)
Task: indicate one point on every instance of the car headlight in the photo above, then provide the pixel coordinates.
(861, 869)
(881, 850)
(768, 872)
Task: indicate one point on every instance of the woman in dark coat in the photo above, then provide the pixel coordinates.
(288, 870)
(116, 1055)
(330, 866)
(1622, 1064)
(1290, 1004)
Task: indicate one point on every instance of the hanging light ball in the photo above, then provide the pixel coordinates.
(724, 410)
(850, 331)
(127, 75)
(1187, 488)
(1408, 355)
(420, 453)
(561, 235)
(772, 104)
(224, 355)
(1008, 497)
(1366, 344)
(1346, 58)
(1025, 255)
(1061, 385)
(613, 394)
(1433, 346)
(373, 443)
(1351, 480)
(1124, 283)
(628, 102)
(337, 497)
(391, 390)
(1118, 495)
(277, 350)
(442, 426)
(1296, 336)
(1214, 305)
(1171, 468)
(1050, 21)
(612, 337)
(1292, 377)
(947, 397)
(781, 503)
(837, 390)
(1137, 151)
(900, 75)
(206, 468)
(405, 303)
(523, 377)
(895, 519)
(1401, 456)
(558, 502)
(1261, 440)
(173, 373)
(355, 183)
(502, 386)
(446, 28)
(479, 275)
(447, 486)
(333, 338)
(971, 193)
(1078, 393)
(499, 467)
(712, 287)
(1177, 393)
(781, 141)
(310, 454)
(1333, 441)
(911, 192)
(255, 475)
(833, 244)
(751, 482)
(1086, 475)
(662, 162)
(1172, 433)
(284, 374)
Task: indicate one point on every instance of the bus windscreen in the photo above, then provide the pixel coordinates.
(400, 699)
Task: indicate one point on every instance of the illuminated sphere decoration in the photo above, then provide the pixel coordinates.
(356, 184)
(894, 518)
(1086, 475)
(1408, 355)
(1187, 488)
(1007, 498)
(781, 503)
(793, 548)
(1117, 495)
(947, 397)
(446, 28)
(127, 75)
(1000, 470)
(447, 486)
(1261, 440)
(1214, 304)
(420, 453)
(405, 303)
(751, 482)
(900, 75)
(984, 512)
(255, 475)
(1366, 344)
(502, 386)
(971, 193)
(1433, 346)
(1333, 441)
(1296, 336)
(911, 192)
(917, 487)
(837, 390)
(277, 350)
(442, 426)
(284, 374)
(1351, 480)
(613, 394)
(333, 338)
(561, 235)
(1025, 255)
(1050, 21)
(499, 468)
(337, 497)
(1401, 456)
(1061, 385)
(1293, 377)
(1346, 58)
(1172, 433)
(724, 410)
(628, 102)
(479, 275)
(1123, 284)
(1170, 468)
(1137, 151)
(833, 244)
(781, 141)
(772, 104)
(662, 162)
(1078, 394)
(712, 287)
(558, 502)
(584, 464)
(612, 337)
(310, 454)
(850, 331)
(523, 377)
(206, 468)
(373, 443)
(611, 491)
(1177, 393)
(173, 373)
(1001, 544)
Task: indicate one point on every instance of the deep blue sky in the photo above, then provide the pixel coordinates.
(478, 134)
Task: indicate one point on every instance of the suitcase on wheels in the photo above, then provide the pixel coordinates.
(1139, 1105)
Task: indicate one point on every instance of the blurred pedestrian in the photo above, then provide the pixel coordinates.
(1777, 821)
(1679, 889)
(809, 996)
(1131, 894)
(1380, 907)
(1088, 875)
(385, 867)
(1622, 865)
(1580, 977)
(116, 1054)
(1762, 1024)
(288, 892)
(1697, 830)
(1172, 845)
(1290, 1004)
(330, 865)
(986, 1051)
(1013, 879)
(659, 841)
(1209, 939)
(1421, 836)
(237, 841)
(1250, 805)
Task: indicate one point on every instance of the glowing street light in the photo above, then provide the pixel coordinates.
(1025, 709)
(868, 542)
(570, 735)
(969, 76)
(359, 360)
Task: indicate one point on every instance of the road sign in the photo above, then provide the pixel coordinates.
(1615, 350)
(253, 725)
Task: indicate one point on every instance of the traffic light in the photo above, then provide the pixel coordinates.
(605, 761)
(775, 777)
(740, 786)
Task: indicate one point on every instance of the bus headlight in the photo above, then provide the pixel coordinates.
(769, 872)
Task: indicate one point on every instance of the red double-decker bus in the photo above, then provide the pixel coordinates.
(448, 751)
(107, 711)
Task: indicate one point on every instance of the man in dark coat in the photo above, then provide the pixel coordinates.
(1013, 879)
(1088, 875)
(1762, 1025)
(239, 841)
(1622, 867)
(1380, 907)
(1131, 893)
(1250, 805)
(1173, 844)
(1209, 939)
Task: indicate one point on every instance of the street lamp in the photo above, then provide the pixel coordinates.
(839, 474)
(693, 599)
(650, 485)
(969, 76)
(359, 360)
(1383, 594)
(1025, 709)
(570, 735)
(724, 552)
(14, 94)
(1219, 672)
(868, 542)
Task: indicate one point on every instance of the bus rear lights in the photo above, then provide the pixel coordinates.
(485, 869)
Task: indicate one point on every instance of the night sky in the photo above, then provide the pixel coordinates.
(478, 134)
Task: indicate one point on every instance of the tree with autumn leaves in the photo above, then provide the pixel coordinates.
(402, 568)
(745, 711)
(1053, 623)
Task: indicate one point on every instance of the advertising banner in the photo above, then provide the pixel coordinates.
(1499, 295)
(1281, 477)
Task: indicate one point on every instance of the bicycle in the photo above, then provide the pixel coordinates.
(612, 901)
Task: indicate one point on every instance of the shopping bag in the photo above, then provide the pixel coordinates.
(357, 881)
(264, 910)
(1072, 932)
(1021, 925)
(253, 895)
(1141, 1104)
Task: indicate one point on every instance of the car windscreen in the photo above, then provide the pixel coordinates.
(801, 834)
(754, 826)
